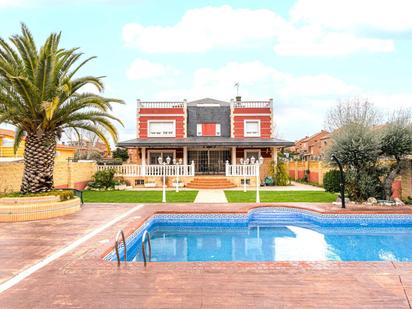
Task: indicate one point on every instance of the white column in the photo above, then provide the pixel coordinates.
(143, 161)
(275, 155)
(233, 155)
(184, 155)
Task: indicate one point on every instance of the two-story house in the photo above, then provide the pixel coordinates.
(207, 134)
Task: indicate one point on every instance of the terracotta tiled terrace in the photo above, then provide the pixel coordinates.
(81, 279)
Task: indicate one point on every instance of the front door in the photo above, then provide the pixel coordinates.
(209, 162)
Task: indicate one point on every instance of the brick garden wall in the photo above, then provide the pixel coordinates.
(402, 186)
(66, 175)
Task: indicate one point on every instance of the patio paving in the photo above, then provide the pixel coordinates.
(81, 279)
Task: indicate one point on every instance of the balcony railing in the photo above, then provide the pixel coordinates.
(133, 170)
(252, 104)
(241, 170)
(160, 104)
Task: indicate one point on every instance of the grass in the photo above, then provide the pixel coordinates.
(138, 196)
(280, 196)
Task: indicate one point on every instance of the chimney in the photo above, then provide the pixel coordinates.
(238, 98)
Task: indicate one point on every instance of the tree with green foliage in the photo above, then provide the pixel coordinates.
(41, 96)
(396, 144)
(357, 146)
(120, 153)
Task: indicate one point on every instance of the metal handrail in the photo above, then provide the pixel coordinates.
(116, 247)
(146, 234)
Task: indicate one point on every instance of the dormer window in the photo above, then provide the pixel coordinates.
(252, 128)
(161, 128)
(208, 129)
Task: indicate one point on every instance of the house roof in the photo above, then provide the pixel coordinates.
(208, 101)
(204, 141)
(7, 133)
(11, 134)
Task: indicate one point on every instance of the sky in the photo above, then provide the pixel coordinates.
(305, 54)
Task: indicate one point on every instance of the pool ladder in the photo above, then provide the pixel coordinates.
(116, 246)
(145, 236)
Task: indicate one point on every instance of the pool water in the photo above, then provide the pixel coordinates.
(275, 235)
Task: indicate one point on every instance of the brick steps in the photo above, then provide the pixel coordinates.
(210, 183)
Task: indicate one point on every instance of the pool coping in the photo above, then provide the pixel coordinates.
(133, 227)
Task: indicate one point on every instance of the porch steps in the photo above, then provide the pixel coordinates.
(210, 183)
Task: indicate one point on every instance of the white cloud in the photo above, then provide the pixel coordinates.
(205, 28)
(320, 28)
(256, 78)
(384, 15)
(143, 69)
(316, 41)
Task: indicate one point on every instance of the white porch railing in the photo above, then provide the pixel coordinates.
(241, 170)
(150, 170)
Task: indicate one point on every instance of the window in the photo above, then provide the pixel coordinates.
(249, 153)
(161, 128)
(155, 154)
(208, 129)
(252, 128)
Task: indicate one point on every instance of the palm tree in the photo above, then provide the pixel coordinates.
(40, 96)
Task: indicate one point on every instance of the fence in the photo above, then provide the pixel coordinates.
(313, 171)
(66, 174)
(241, 170)
(133, 170)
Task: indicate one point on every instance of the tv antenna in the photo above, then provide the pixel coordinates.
(237, 88)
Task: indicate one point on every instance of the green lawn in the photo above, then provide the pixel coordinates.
(280, 196)
(138, 196)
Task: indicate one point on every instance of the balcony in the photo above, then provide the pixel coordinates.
(252, 104)
(160, 104)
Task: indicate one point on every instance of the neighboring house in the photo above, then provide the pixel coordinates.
(312, 147)
(63, 152)
(85, 147)
(206, 133)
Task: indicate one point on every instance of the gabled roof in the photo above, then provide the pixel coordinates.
(208, 101)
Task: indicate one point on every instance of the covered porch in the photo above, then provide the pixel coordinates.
(196, 157)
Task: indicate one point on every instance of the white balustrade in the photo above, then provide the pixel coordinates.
(150, 170)
(241, 170)
(161, 104)
(252, 104)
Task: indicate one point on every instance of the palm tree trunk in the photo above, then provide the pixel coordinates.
(39, 153)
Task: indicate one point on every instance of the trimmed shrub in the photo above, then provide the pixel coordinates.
(115, 161)
(331, 181)
(64, 195)
(103, 179)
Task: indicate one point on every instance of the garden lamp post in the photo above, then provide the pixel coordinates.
(244, 163)
(342, 181)
(160, 160)
(257, 164)
(177, 163)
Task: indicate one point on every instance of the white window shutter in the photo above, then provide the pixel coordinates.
(218, 133)
(199, 129)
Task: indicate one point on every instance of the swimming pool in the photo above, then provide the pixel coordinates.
(273, 234)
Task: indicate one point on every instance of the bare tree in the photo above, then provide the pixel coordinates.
(354, 111)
